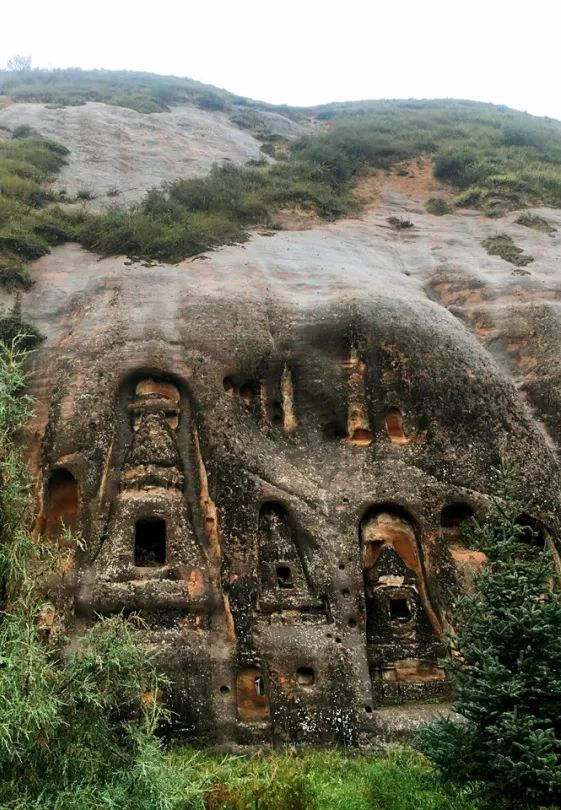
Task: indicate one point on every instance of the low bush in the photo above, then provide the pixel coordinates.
(14, 274)
(12, 327)
(399, 224)
(438, 206)
(536, 222)
(325, 780)
(501, 244)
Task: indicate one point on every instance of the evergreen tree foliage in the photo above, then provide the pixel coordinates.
(506, 668)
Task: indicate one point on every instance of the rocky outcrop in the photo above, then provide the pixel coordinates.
(269, 451)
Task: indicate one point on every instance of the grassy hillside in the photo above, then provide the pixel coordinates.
(494, 158)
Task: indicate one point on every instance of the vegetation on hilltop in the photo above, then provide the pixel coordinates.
(143, 92)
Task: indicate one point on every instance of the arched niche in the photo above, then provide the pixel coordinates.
(251, 696)
(153, 404)
(394, 426)
(279, 559)
(284, 579)
(62, 503)
(396, 594)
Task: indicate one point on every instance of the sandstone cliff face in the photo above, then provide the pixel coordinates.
(269, 450)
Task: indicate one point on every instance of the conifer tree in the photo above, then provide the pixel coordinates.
(506, 666)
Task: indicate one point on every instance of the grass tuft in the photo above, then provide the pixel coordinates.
(501, 244)
(536, 222)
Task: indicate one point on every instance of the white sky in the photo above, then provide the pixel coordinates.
(307, 51)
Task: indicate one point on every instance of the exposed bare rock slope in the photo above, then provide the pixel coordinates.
(118, 149)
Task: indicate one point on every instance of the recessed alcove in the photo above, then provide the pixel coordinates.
(453, 515)
(284, 577)
(251, 695)
(62, 504)
(150, 537)
(361, 436)
(247, 393)
(394, 426)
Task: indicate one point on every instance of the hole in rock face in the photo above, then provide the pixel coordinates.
(394, 426)
(399, 610)
(533, 532)
(150, 542)
(224, 689)
(284, 576)
(228, 384)
(62, 503)
(305, 676)
(352, 622)
(276, 413)
(454, 514)
(368, 709)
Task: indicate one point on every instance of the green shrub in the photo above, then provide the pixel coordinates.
(23, 131)
(12, 327)
(210, 101)
(399, 224)
(14, 274)
(25, 245)
(438, 206)
(77, 727)
(506, 668)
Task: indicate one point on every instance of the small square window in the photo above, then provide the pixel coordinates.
(400, 610)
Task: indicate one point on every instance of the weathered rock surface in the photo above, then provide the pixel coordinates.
(269, 451)
(118, 149)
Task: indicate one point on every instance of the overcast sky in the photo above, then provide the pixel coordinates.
(305, 51)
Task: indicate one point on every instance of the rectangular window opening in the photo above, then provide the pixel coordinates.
(150, 542)
(399, 610)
